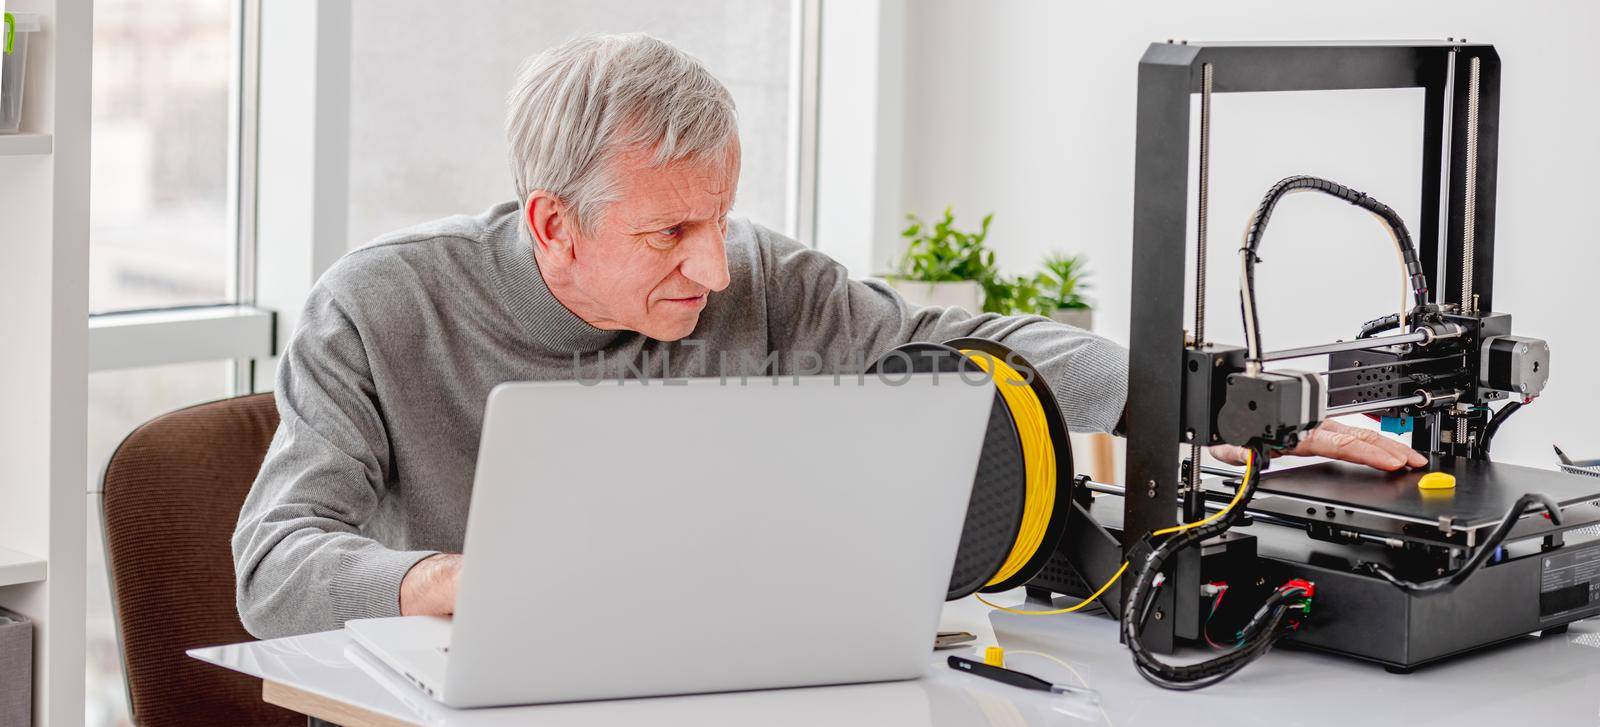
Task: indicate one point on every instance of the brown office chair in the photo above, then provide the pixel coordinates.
(172, 493)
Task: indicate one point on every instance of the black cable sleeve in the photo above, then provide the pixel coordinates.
(1263, 214)
(1490, 544)
(1147, 562)
(1268, 630)
(1378, 325)
(1493, 427)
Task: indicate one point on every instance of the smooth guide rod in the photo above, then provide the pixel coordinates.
(1367, 406)
(1359, 344)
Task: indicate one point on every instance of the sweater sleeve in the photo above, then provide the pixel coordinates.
(301, 560)
(814, 306)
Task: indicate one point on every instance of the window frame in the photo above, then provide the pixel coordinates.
(805, 67)
(860, 118)
(237, 331)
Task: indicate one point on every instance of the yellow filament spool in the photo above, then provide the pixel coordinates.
(1039, 460)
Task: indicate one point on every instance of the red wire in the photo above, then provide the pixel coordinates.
(1206, 629)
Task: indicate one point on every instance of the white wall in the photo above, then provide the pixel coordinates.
(1027, 109)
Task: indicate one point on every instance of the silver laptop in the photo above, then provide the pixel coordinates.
(637, 539)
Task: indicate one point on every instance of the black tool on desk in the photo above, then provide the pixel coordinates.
(1015, 678)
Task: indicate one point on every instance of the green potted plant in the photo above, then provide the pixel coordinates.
(1023, 294)
(1063, 284)
(942, 265)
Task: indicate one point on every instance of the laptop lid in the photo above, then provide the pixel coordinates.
(644, 539)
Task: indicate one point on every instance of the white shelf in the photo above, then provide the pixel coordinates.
(25, 144)
(20, 568)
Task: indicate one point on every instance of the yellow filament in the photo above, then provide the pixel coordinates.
(1038, 456)
(1249, 469)
(1249, 466)
(1069, 609)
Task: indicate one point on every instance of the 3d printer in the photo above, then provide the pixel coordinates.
(1402, 575)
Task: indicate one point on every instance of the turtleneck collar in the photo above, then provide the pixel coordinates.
(529, 300)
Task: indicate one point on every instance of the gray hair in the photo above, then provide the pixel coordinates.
(575, 107)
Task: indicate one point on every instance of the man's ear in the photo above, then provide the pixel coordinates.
(552, 226)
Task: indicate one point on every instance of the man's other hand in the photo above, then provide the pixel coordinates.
(1337, 441)
(429, 588)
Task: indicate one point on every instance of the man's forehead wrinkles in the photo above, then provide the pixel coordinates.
(658, 198)
(678, 216)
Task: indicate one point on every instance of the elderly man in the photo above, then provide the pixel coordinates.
(619, 255)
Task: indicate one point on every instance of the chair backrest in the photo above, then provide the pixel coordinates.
(172, 493)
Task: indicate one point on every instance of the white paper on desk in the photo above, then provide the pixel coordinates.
(972, 618)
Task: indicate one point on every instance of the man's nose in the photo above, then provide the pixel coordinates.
(707, 261)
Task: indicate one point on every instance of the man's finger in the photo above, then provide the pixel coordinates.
(1229, 454)
(1350, 446)
(1412, 457)
(1407, 456)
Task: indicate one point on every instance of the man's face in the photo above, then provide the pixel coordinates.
(657, 252)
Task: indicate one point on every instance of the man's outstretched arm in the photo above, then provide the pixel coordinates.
(815, 306)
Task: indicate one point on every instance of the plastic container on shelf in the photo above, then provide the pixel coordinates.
(14, 66)
(16, 668)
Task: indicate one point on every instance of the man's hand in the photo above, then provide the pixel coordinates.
(1337, 441)
(429, 588)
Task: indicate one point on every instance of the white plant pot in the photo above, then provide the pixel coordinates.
(966, 294)
(1079, 317)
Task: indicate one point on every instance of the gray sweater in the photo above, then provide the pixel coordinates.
(382, 389)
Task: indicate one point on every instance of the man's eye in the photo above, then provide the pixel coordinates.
(665, 239)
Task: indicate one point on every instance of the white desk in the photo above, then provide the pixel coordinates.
(1535, 681)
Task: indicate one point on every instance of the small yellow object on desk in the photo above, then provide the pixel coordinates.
(1437, 481)
(994, 656)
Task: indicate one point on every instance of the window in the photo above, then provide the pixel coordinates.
(159, 182)
(169, 127)
(427, 98)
